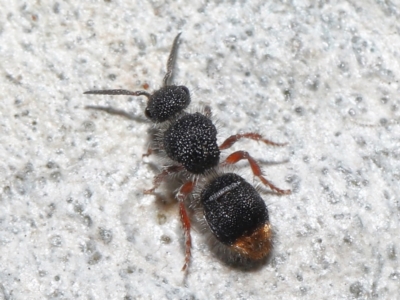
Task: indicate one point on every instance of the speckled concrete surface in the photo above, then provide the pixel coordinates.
(320, 75)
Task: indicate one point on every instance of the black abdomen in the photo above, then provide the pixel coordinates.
(233, 208)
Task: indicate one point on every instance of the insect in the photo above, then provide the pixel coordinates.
(189, 141)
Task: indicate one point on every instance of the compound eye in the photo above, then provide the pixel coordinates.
(185, 94)
(185, 89)
(147, 113)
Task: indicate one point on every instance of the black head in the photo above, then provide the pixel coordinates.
(232, 208)
(192, 141)
(167, 102)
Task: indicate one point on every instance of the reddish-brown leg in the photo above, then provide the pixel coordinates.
(250, 135)
(184, 191)
(239, 155)
(161, 177)
(148, 153)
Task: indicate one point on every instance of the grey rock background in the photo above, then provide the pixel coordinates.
(322, 76)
